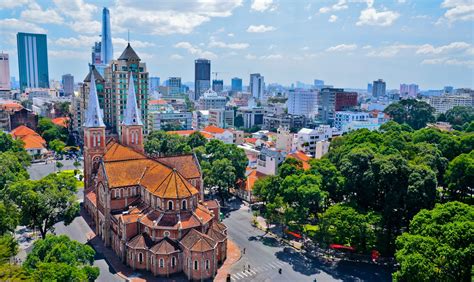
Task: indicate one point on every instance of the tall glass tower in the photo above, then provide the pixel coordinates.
(202, 77)
(107, 50)
(32, 60)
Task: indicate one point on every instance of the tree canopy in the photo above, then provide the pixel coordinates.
(412, 112)
(458, 116)
(438, 246)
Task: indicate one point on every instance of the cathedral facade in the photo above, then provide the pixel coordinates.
(150, 211)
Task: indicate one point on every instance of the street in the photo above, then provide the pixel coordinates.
(266, 256)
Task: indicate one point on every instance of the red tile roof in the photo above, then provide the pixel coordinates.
(185, 164)
(30, 138)
(302, 157)
(158, 102)
(250, 140)
(164, 247)
(252, 177)
(182, 132)
(197, 242)
(213, 129)
(21, 131)
(61, 121)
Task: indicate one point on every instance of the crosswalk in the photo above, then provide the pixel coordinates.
(248, 274)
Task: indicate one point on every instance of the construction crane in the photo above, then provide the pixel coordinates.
(215, 73)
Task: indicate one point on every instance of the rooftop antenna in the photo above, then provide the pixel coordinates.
(128, 37)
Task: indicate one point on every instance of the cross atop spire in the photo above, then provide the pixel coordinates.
(93, 113)
(132, 114)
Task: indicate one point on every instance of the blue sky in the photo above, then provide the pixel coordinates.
(347, 43)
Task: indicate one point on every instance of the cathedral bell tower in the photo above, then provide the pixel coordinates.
(132, 126)
(94, 135)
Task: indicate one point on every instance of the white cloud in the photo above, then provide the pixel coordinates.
(305, 48)
(35, 14)
(340, 5)
(168, 17)
(271, 57)
(367, 47)
(260, 28)
(250, 57)
(332, 18)
(454, 46)
(342, 48)
(457, 10)
(80, 42)
(213, 43)
(196, 51)
(370, 16)
(81, 15)
(176, 57)
(122, 42)
(230, 34)
(263, 5)
(10, 27)
(449, 62)
(68, 54)
(389, 51)
(9, 4)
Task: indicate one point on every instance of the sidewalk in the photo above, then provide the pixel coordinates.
(233, 256)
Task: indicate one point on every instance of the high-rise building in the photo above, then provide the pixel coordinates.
(107, 50)
(302, 102)
(369, 88)
(202, 77)
(378, 88)
(217, 85)
(257, 85)
(4, 72)
(318, 84)
(117, 75)
(409, 90)
(174, 86)
(154, 84)
(331, 100)
(68, 84)
(32, 60)
(96, 54)
(236, 84)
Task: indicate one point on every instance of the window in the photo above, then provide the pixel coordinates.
(207, 264)
(170, 205)
(196, 265)
(183, 205)
(162, 263)
(140, 258)
(173, 262)
(117, 193)
(166, 233)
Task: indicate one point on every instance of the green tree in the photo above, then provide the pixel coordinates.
(8, 248)
(412, 112)
(8, 216)
(160, 143)
(459, 178)
(221, 175)
(59, 165)
(57, 146)
(332, 179)
(62, 109)
(12, 169)
(289, 167)
(438, 246)
(196, 139)
(58, 258)
(267, 188)
(239, 121)
(50, 131)
(43, 203)
(342, 224)
(459, 115)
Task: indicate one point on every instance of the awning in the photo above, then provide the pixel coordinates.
(342, 247)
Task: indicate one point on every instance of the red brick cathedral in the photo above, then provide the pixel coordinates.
(150, 211)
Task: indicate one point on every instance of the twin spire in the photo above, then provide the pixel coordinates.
(94, 114)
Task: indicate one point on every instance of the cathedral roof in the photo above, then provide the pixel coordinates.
(96, 73)
(93, 112)
(117, 152)
(185, 164)
(215, 235)
(165, 246)
(197, 241)
(142, 241)
(129, 54)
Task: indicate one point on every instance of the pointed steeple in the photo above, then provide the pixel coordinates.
(93, 113)
(132, 115)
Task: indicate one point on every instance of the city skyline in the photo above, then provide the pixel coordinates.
(345, 43)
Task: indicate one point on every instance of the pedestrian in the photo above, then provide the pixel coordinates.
(249, 267)
(244, 251)
(279, 270)
(244, 267)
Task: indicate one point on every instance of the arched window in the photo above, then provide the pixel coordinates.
(94, 140)
(125, 192)
(133, 137)
(183, 204)
(173, 262)
(207, 264)
(121, 192)
(140, 258)
(152, 260)
(117, 193)
(98, 139)
(170, 205)
(162, 263)
(196, 265)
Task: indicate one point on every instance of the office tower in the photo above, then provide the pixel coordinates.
(154, 84)
(217, 85)
(117, 76)
(408, 90)
(318, 84)
(345, 101)
(202, 77)
(448, 89)
(107, 50)
(236, 84)
(4, 72)
(331, 100)
(378, 88)
(68, 84)
(95, 54)
(174, 86)
(369, 88)
(257, 85)
(302, 102)
(32, 60)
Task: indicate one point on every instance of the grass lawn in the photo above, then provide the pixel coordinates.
(79, 184)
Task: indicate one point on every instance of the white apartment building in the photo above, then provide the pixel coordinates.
(4, 72)
(302, 102)
(284, 140)
(444, 103)
(345, 117)
(307, 138)
(200, 119)
(221, 118)
(322, 147)
(210, 100)
(257, 85)
(268, 161)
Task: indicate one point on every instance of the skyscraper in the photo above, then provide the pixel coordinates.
(236, 84)
(408, 90)
(32, 60)
(4, 72)
(217, 85)
(154, 84)
(174, 86)
(302, 102)
(378, 88)
(107, 50)
(202, 77)
(68, 84)
(95, 55)
(257, 85)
